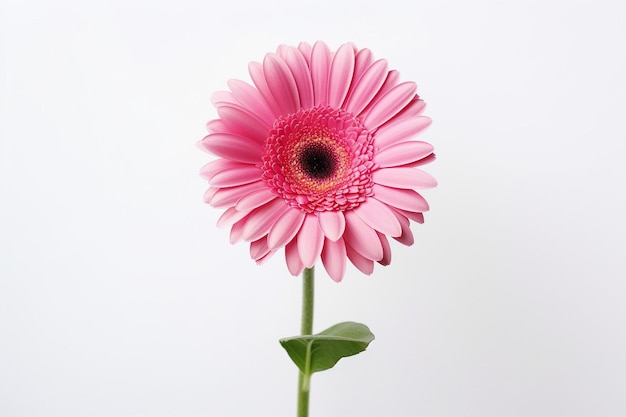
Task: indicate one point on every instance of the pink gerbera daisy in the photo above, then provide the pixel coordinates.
(318, 157)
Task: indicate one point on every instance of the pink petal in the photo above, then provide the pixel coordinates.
(300, 70)
(216, 126)
(265, 257)
(251, 99)
(255, 199)
(230, 217)
(362, 61)
(423, 161)
(281, 83)
(236, 176)
(209, 194)
(320, 67)
(403, 153)
(406, 238)
(285, 228)
(361, 237)
(408, 200)
(209, 170)
(310, 241)
(386, 260)
(221, 98)
(366, 87)
(390, 104)
(258, 78)
(225, 197)
(415, 216)
(242, 123)
(415, 108)
(306, 51)
(260, 220)
(294, 264)
(332, 223)
(391, 81)
(359, 261)
(411, 178)
(400, 131)
(236, 231)
(281, 51)
(233, 147)
(341, 71)
(259, 249)
(379, 217)
(334, 258)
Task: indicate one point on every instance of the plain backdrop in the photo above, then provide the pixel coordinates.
(119, 297)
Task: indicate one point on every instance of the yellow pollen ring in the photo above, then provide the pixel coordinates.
(300, 181)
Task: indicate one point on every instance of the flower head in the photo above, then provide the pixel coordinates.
(318, 157)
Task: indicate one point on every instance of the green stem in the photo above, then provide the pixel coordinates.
(306, 329)
(307, 301)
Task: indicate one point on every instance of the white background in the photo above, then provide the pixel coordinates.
(119, 296)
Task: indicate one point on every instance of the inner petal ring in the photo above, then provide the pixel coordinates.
(319, 159)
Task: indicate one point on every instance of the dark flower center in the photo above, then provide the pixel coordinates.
(318, 161)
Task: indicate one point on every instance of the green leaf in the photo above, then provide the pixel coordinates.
(318, 352)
